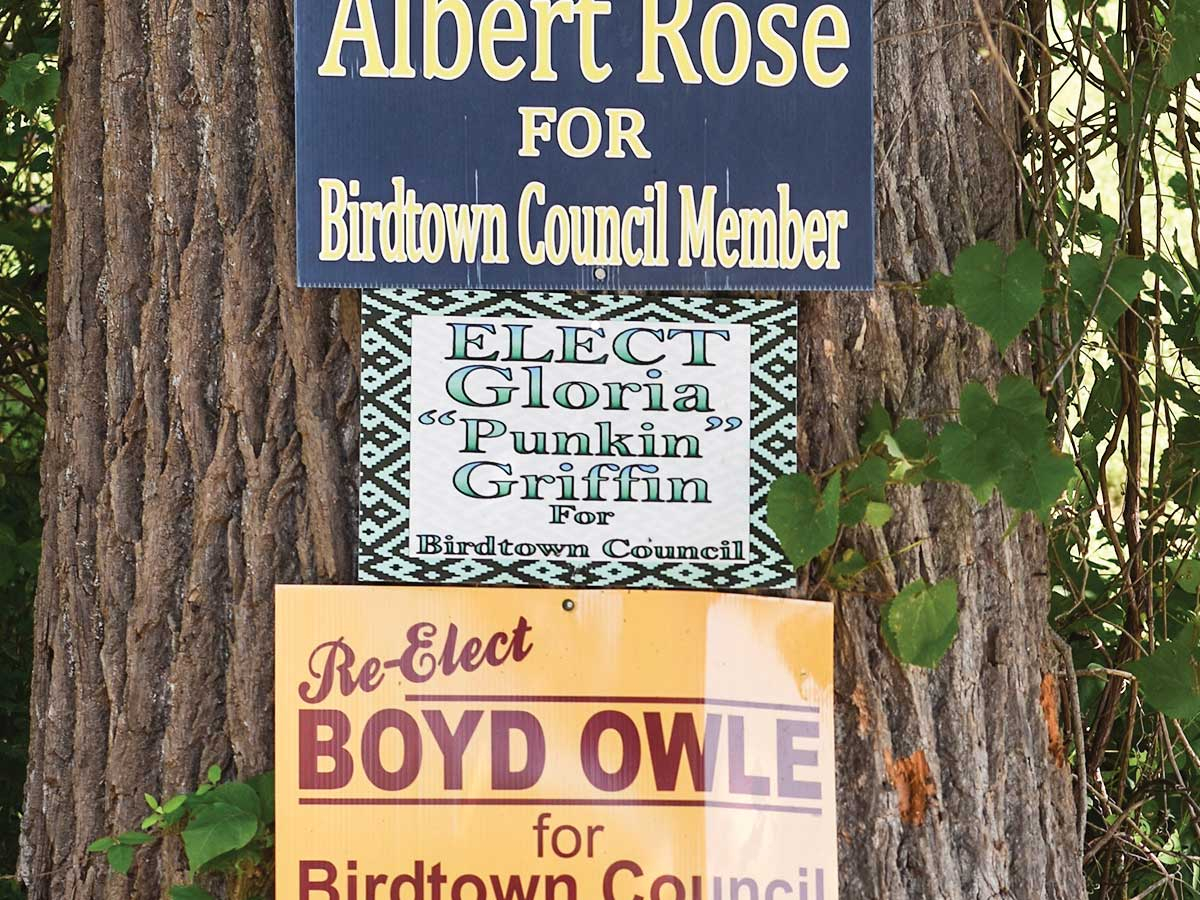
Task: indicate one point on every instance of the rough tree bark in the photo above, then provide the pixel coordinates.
(202, 441)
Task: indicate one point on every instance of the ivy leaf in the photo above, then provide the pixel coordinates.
(876, 426)
(1120, 292)
(843, 572)
(1169, 678)
(189, 892)
(217, 828)
(101, 844)
(120, 859)
(1180, 462)
(910, 439)
(878, 514)
(921, 622)
(999, 294)
(938, 291)
(805, 522)
(1187, 574)
(1005, 444)
(864, 485)
(1183, 23)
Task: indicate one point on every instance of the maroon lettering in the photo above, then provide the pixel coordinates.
(516, 889)
(472, 657)
(406, 774)
(416, 881)
(739, 781)
(417, 663)
(789, 756)
(453, 744)
(313, 749)
(326, 886)
(332, 663)
(665, 755)
(504, 723)
(610, 875)
(631, 750)
(421, 660)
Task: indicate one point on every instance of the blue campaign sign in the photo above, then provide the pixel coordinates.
(584, 144)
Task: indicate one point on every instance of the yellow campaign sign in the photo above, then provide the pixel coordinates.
(438, 743)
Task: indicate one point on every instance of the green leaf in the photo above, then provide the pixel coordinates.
(1125, 282)
(877, 424)
(135, 838)
(174, 803)
(1183, 24)
(189, 892)
(27, 86)
(217, 828)
(878, 514)
(805, 522)
(864, 485)
(264, 786)
(151, 802)
(921, 622)
(214, 774)
(101, 844)
(999, 294)
(235, 793)
(938, 291)
(911, 439)
(1169, 678)
(1187, 574)
(120, 858)
(844, 571)
(1005, 444)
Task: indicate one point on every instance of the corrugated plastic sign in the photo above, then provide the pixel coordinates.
(517, 744)
(584, 144)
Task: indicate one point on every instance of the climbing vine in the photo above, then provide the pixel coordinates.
(1097, 429)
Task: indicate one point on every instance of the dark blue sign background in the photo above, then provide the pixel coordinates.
(458, 141)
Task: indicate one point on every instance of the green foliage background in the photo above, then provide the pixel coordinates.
(1097, 428)
(28, 89)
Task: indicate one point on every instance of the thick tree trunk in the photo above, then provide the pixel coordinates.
(202, 440)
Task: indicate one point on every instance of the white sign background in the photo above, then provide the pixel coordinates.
(439, 510)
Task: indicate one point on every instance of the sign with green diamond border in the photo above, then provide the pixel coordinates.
(494, 450)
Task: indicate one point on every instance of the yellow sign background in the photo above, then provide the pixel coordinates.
(755, 662)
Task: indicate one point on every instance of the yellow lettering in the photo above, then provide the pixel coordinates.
(741, 43)
(535, 192)
(814, 42)
(653, 31)
(546, 14)
(777, 44)
(588, 10)
(334, 236)
(464, 32)
(365, 33)
(490, 34)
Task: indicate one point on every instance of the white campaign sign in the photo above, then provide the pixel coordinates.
(579, 440)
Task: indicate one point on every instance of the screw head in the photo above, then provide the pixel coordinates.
(568, 604)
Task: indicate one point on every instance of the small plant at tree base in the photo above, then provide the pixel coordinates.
(226, 829)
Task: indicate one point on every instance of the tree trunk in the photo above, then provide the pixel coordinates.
(202, 438)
